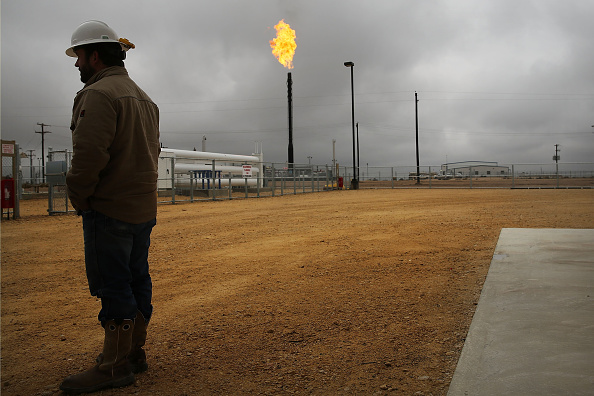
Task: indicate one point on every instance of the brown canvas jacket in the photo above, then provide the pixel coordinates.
(115, 137)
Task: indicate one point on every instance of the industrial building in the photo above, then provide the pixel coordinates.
(474, 168)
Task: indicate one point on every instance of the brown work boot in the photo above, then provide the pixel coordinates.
(114, 369)
(137, 356)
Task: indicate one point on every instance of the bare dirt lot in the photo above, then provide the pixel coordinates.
(343, 292)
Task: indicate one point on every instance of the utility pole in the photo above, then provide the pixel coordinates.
(417, 136)
(557, 157)
(355, 181)
(43, 132)
(31, 155)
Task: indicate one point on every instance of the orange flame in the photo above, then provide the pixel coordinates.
(283, 46)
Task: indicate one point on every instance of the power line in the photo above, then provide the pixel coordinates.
(519, 96)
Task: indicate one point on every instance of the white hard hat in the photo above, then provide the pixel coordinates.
(92, 32)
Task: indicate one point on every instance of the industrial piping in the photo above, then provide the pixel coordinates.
(236, 170)
(211, 156)
(219, 159)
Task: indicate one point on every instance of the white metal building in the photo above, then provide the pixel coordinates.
(474, 168)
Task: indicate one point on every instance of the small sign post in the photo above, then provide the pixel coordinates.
(247, 171)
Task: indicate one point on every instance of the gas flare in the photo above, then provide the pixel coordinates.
(283, 46)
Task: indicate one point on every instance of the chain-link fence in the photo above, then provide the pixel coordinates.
(555, 175)
(56, 169)
(277, 179)
(190, 179)
(219, 180)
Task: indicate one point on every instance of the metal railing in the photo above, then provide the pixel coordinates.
(561, 175)
(277, 179)
(271, 179)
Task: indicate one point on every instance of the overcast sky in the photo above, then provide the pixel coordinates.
(497, 80)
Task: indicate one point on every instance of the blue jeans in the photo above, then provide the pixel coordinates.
(116, 260)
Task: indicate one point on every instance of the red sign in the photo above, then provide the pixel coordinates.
(7, 148)
(247, 171)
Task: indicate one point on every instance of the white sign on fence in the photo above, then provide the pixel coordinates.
(8, 149)
(247, 171)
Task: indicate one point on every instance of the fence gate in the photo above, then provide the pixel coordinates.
(56, 169)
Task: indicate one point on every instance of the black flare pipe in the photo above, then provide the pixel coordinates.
(290, 98)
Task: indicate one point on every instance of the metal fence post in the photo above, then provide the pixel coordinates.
(246, 186)
(16, 211)
(213, 177)
(282, 183)
(273, 181)
(192, 177)
(303, 180)
(392, 175)
(172, 180)
(258, 184)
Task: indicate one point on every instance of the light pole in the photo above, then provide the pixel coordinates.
(417, 135)
(358, 156)
(355, 181)
(334, 160)
(333, 155)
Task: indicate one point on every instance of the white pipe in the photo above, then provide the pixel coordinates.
(224, 182)
(210, 156)
(185, 168)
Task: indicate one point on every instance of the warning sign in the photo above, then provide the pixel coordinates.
(247, 171)
(8, 149)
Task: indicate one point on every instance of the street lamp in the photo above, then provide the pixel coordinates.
(358, 156)
(355, 181)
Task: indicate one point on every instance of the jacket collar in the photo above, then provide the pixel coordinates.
(107, 72)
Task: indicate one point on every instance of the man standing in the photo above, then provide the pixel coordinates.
(113, 185)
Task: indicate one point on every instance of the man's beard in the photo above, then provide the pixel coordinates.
(86, 72)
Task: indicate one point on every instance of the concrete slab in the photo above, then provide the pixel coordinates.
(533, 330)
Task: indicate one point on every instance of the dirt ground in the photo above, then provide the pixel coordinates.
(343, 292)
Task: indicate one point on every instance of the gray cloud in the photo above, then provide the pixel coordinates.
(497, 80)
